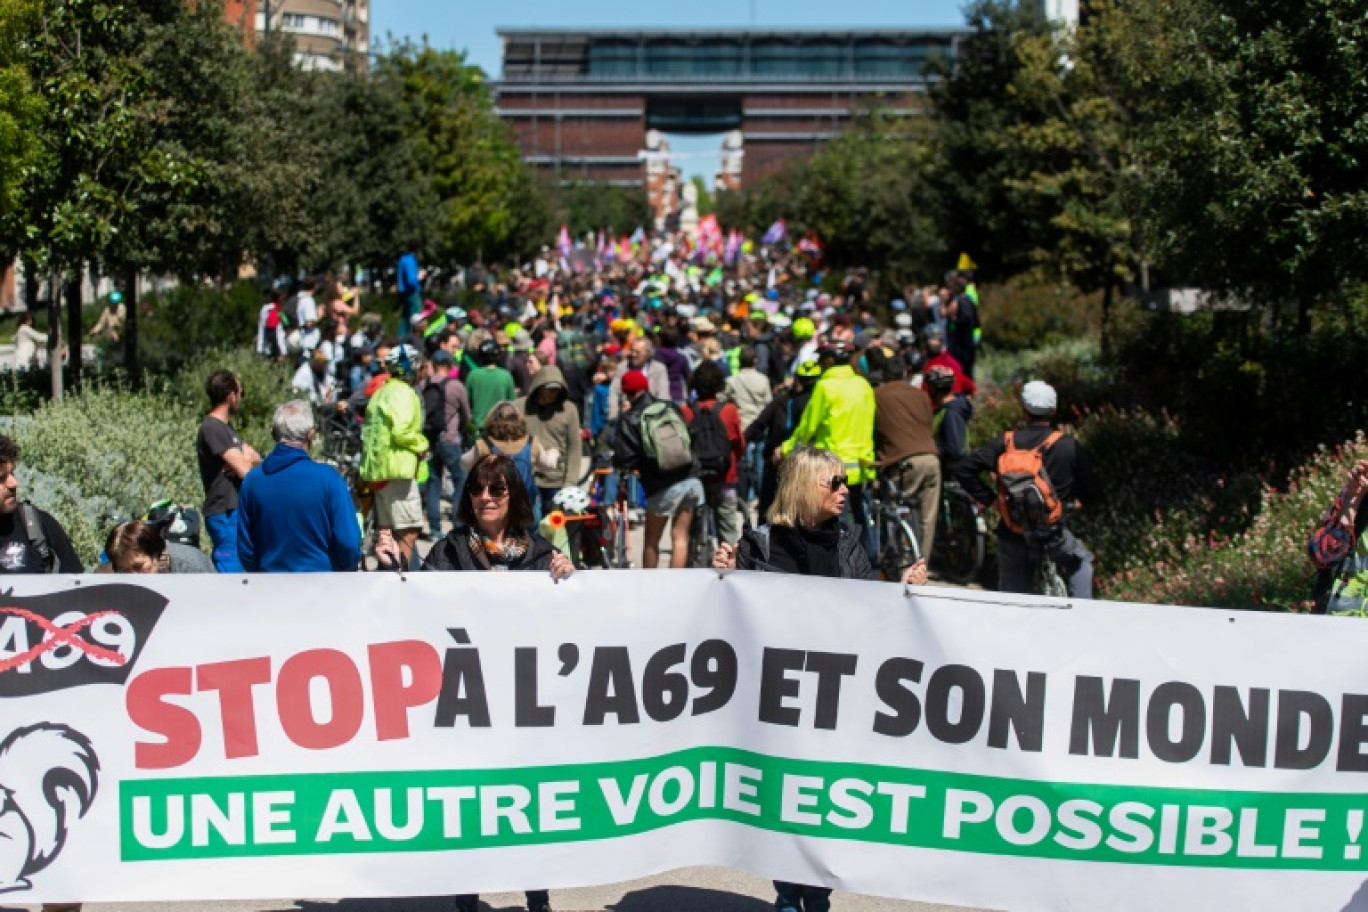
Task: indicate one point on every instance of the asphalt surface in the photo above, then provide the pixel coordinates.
(685, 890)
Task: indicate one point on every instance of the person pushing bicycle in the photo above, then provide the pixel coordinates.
(1037, 471)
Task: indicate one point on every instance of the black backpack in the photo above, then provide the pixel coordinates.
(711, 448)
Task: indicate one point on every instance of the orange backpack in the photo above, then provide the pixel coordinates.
(1027, 501)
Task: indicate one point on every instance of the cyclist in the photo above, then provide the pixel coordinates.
(953, 414)
(840, 419)
(394, 450)
(1062, 477)
(905, 443)
(651, 439)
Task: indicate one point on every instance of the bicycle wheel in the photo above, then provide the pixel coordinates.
(702, 538)
(897, 546)
(621, 559)
(1048, 581)
(960, 543)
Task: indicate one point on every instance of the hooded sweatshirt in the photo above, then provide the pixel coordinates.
(554, 427)
(296, 516)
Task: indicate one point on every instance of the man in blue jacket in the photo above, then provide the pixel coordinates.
(295, 515)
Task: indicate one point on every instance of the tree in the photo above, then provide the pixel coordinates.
(1256, 150)
(374, 199)
(868, 197)
(21, 109)
(460, 145)
(586, 207)
(974, 106)
(1070, 160)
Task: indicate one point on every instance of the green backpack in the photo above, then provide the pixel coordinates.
(665, 437)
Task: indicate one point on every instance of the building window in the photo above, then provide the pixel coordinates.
(874, 58)
(617, 58)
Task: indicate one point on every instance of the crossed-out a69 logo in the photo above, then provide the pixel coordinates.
(86, 635)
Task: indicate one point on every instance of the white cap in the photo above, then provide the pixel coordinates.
(1039, 398)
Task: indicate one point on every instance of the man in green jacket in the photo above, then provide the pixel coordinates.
(839, 418)
(489, 384)
(393, 451)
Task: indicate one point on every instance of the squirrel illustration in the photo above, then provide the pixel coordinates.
(48, 777)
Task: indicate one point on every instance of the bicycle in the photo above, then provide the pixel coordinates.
(616, 531)
(961, 541)
(894, 541)
(1045, 578)
(703, 537)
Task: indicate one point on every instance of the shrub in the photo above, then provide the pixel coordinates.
(106, 453)
(1264, 567)
(1028, 313)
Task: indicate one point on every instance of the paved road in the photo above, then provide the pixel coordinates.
(686, 890)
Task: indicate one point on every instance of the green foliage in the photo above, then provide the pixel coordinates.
(460, 144)
(1255, 148)
(867, 196)
(1263, 566)
(1248, 397)
(974, 110)
(21, 108)
(1027, 314)
(106, 453)
(1070, 149)
(584, 208)
(182, 322)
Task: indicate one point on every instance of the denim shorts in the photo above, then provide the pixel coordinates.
(682, 495)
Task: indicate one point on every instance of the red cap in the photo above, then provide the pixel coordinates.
(634, 382)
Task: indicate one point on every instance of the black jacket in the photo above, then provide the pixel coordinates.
(630, 453)
(453, 554)
(776, 422)
(752, 553)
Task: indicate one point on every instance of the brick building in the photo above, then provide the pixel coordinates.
(582, 103)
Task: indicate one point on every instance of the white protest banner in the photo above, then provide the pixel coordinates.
(371, 735)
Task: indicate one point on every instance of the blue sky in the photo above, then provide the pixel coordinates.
(469, 25)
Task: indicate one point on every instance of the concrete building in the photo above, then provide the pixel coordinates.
(331, 35)
(582, 102)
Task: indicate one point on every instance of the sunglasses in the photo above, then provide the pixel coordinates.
(837, 482)
(497, 491)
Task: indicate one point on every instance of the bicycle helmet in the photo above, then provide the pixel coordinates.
(804, 328)
(837, 349)
(571, 500)
(402, 361)
(902, 321)
(940, 378)
(808, 370)
(487, 353)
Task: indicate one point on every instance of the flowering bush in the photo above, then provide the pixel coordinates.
(1264, 566)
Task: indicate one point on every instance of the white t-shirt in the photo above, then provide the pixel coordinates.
(306, 310)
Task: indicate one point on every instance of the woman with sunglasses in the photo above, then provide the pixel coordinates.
(805, 535)
(494, 530)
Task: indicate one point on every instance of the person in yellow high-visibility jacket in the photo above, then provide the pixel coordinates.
(839, 418)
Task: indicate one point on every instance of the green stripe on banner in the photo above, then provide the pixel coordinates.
(444, 810)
